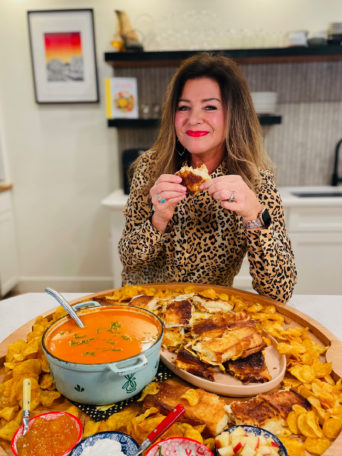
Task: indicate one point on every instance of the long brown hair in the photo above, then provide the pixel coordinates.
(245, 154)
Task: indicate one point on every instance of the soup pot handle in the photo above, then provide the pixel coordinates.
(86, 304)
(140, 362)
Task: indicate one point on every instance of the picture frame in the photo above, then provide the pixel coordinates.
(63, 55)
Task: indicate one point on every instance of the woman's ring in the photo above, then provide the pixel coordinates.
(160, 199)
(232, 198)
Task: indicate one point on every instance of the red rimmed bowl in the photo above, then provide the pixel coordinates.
(49, 416)
(173, 445)
(252, 437)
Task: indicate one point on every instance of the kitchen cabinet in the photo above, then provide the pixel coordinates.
(316, 235)
(9, 274)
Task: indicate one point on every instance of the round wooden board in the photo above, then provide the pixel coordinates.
(325, 337)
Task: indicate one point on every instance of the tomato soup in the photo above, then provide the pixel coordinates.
(110, 334)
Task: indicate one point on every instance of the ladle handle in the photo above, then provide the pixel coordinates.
(64, 303)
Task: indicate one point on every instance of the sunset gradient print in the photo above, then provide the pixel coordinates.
(63, 56)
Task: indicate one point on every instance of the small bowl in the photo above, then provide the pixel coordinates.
(129, 446)
(48, 416)
(173, 445)
(259, 431)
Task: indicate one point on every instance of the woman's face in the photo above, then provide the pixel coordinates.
(200, 119)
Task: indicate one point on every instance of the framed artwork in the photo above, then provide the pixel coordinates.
(63, 56)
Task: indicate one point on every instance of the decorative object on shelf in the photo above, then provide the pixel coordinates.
(319, 38)
(128, 34)
(121, 98)
(335, 33)
(63, 56)
(297, 38)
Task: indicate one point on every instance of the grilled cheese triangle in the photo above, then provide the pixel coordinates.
(177, 313)
(234, 343)
(208, 409)
(211, 305)
(173, 338)
(251, 369)
(216, 325)
(146, 302)
(268, 410)
(187, 361)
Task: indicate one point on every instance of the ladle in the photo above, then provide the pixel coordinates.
(64, 303)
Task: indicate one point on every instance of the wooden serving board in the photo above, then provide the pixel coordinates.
(320, 333)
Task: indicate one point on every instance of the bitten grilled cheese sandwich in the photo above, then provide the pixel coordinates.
(192, 178)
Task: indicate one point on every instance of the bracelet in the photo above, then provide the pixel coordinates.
(263, 221)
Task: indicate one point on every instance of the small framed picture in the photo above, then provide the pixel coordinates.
(63, 56)
(121, 98)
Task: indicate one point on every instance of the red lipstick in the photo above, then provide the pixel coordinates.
(197, 133)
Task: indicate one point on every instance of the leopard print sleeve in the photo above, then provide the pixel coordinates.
(270, 255)
(140, 242)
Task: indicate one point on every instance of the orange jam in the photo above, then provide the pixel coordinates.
(51, 436)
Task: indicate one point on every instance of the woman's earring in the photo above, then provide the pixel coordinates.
(181, 152)
(180, 149)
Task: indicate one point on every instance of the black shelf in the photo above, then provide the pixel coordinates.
(132, 123)
(263, 55)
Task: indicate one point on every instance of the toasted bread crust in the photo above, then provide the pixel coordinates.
(192, 178)
(170, 394)
(250, 369)
(266, 408)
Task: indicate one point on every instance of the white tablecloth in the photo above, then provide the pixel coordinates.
(16, 311)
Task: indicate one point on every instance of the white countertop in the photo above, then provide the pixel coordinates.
(290, 199)
(16, 311)
(117, 199)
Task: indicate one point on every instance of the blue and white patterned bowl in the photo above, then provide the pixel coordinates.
(129, 446)
(259, 431)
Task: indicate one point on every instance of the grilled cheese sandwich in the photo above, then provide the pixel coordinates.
(192, 178)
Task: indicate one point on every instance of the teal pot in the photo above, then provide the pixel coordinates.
(105, 383)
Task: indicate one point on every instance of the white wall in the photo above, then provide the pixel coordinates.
(63, 159)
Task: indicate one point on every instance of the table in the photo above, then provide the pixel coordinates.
(18, 310)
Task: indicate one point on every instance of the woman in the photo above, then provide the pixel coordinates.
(169, 236)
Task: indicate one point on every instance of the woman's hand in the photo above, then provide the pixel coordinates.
(234, 194)
(166, 194)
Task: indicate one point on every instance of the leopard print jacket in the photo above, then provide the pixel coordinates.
(205, 243)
